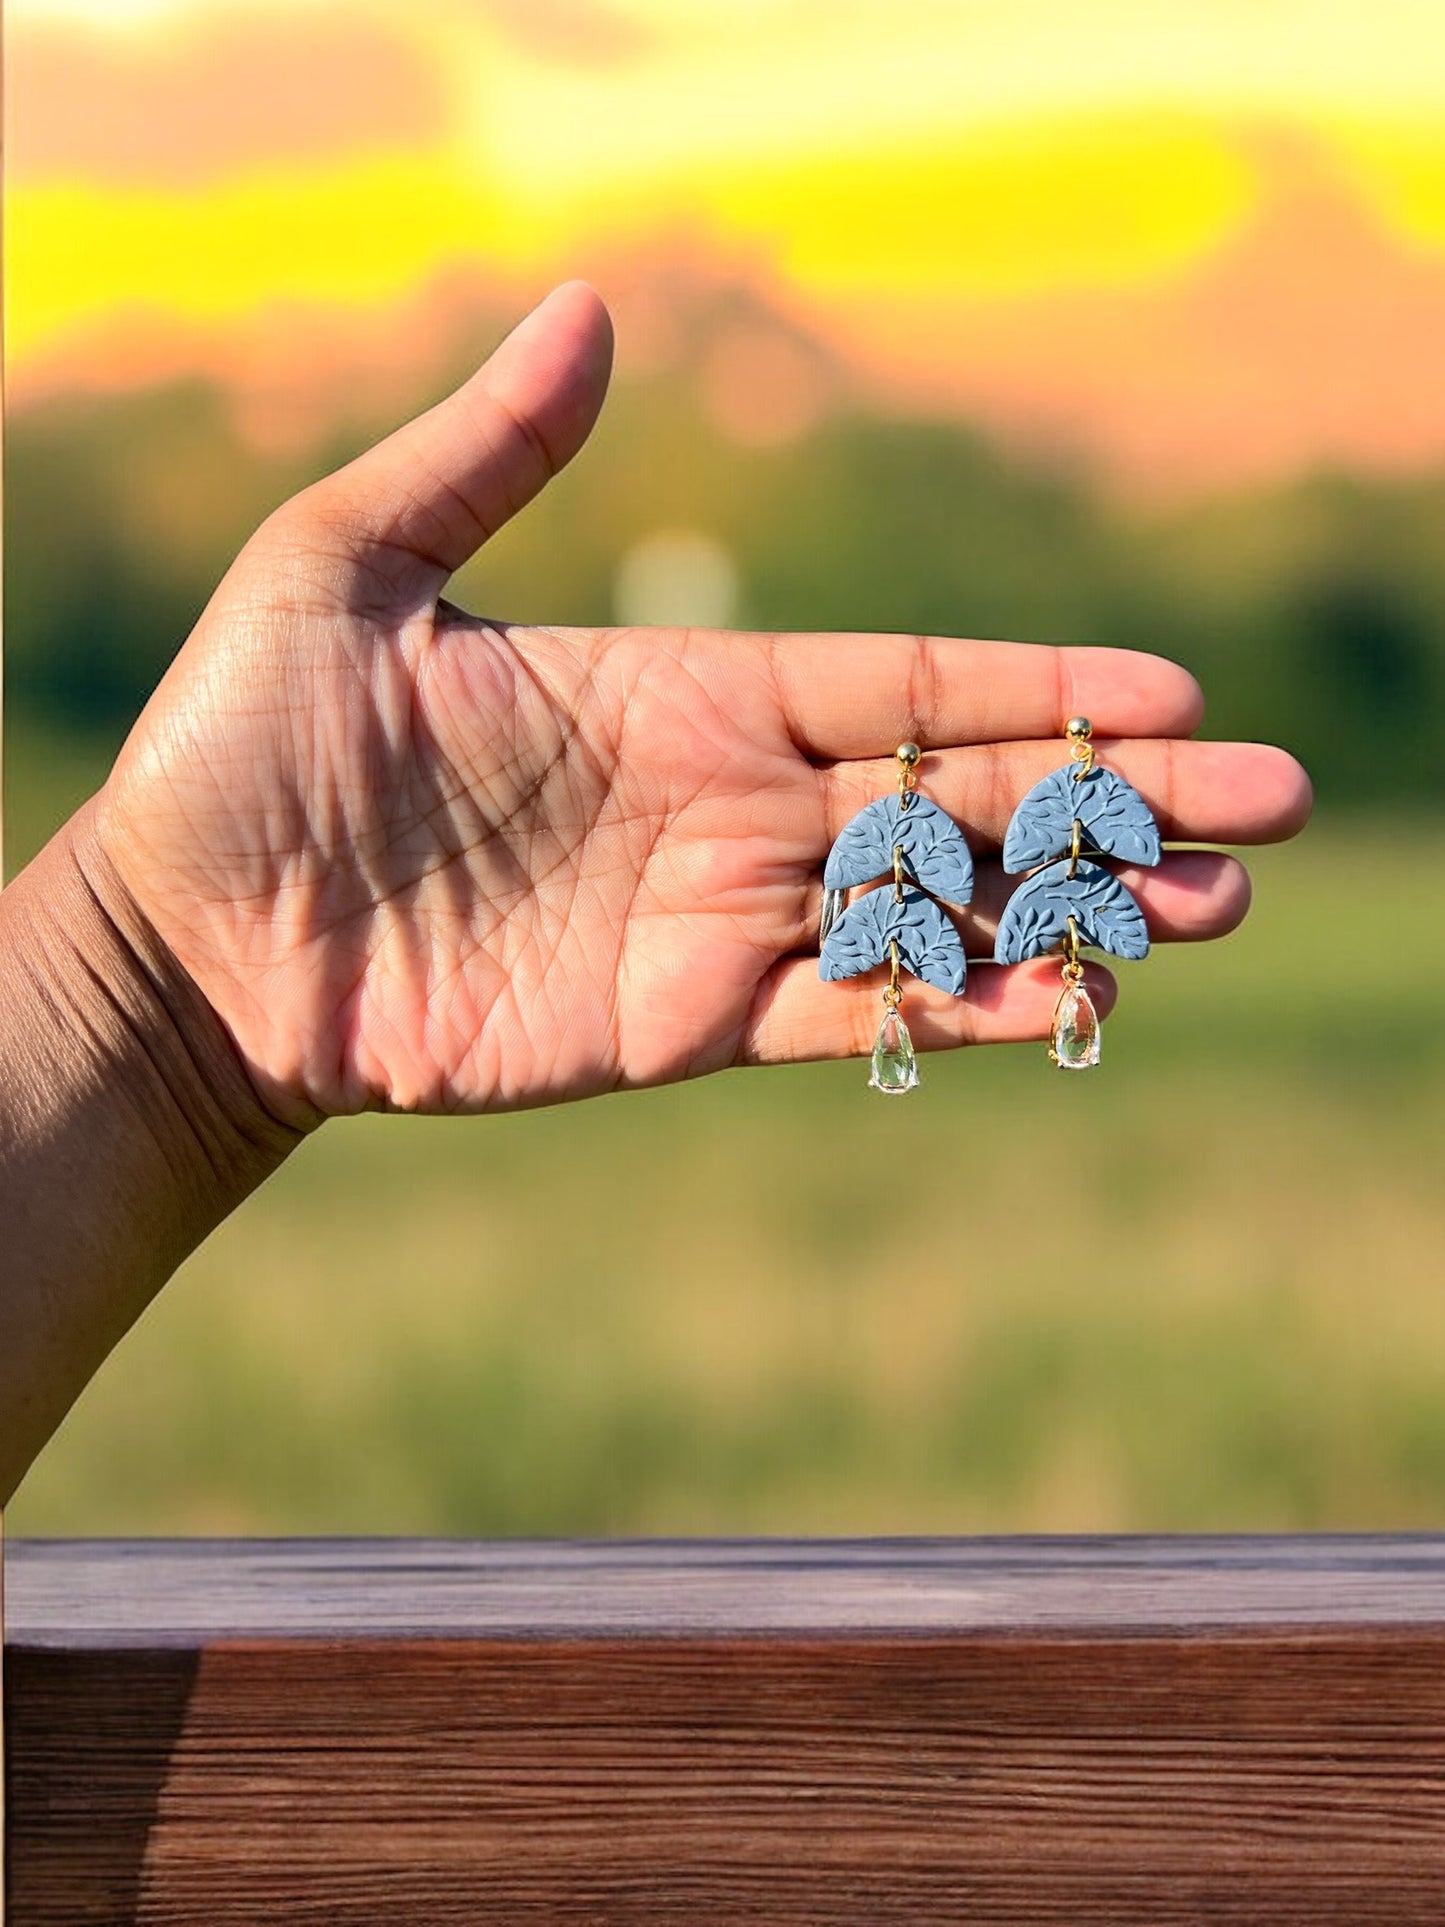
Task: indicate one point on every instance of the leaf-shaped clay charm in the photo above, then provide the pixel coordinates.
(1116, 820)
(928, 943)
(934, 852)
(1036, 917)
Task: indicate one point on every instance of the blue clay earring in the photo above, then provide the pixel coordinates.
(912, 840)
(1080, 812)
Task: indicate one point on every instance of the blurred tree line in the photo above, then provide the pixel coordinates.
(1314, 615)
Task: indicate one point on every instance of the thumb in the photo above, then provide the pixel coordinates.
(432, 493)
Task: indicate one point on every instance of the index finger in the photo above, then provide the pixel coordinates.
(850, 695)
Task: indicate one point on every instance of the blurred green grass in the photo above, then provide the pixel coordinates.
(1198, 1290)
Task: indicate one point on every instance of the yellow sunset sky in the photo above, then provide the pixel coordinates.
(1040, 212)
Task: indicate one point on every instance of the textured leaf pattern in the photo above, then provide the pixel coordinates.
(928, 943)
(934, 852)
(1036, 918)
(1116, 820)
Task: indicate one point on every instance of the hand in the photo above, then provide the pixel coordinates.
(422, 861)
(415, 860)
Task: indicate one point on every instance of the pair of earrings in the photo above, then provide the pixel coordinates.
(1076, 815)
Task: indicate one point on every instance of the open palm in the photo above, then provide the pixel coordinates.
(423, 861)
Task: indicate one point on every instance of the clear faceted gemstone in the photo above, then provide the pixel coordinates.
(1075, 1044)
(895, 1068)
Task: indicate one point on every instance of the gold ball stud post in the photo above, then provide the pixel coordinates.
(1079, 729)
(909, 757)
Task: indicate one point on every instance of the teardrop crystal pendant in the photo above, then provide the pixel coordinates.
(1075, 1042)
(895, 1068)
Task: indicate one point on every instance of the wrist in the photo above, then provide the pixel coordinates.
(143, 1015)
(128, 1128)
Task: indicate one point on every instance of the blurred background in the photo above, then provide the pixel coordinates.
(1117, 323)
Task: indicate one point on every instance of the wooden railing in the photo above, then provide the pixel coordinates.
(431, 1733)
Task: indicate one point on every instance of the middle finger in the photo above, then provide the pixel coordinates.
(1199, 792)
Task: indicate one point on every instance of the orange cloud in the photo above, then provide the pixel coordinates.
(1310, 339)
(987, 214)
(223, 94)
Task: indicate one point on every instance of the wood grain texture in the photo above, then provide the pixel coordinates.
(996, 1731)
